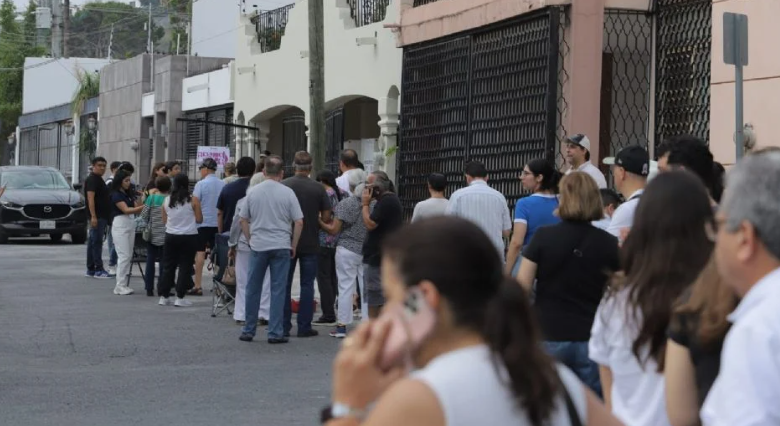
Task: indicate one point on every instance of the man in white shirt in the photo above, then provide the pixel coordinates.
(747, 390)
(630, 168)
(482, 205)
(578, 155)
(437, 204)
(349, 161)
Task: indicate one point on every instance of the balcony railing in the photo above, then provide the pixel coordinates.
(270, 27)
(367, 12)
(422, 2)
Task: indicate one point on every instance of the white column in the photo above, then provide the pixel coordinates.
(76, 152)
(18, 146)
(388, 136)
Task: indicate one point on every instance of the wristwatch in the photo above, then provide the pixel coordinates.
(339, 411)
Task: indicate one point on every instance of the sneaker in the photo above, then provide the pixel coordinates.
(164, 301)
(340, 332)
(310, 333)
(182, 303)
(102, 275)
(112, 270)
(324, 322)
(278, 340)
(150, 293)
(262, 321)
(246, 337)
(90, 274)
(123, 291)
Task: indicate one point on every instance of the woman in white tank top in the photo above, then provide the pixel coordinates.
(483, 362)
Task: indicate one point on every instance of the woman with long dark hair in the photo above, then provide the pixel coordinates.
(125, 207)
(482, 360)
(181, 214)
(327, 281)
(663, 254)
(159, 170)
(534, 211)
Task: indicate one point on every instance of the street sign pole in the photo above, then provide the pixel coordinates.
(735, 52)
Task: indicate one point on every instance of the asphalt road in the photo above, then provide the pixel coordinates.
(72, 353)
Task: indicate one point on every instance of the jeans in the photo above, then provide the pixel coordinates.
(327, 282)
(278, 261)
(349, 268)
(95, 247)
(123, 231)
(574, 355)
(112, 257)
(153, 254)
(306, 305)
(178, 252)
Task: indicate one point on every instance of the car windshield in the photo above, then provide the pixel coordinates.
(33, 179)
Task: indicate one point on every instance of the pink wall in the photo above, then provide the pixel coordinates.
(762, 77)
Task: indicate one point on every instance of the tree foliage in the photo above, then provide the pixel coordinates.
(91, 31)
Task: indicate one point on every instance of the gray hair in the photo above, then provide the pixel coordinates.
(273, 165)
(355, 177)
(383, 181)
(751, 196)
(359, 189)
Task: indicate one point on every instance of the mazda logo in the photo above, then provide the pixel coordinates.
(47, 209)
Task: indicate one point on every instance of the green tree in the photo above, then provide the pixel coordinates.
(155, 3)
(180, 14)
(91, 31)
(89, 87)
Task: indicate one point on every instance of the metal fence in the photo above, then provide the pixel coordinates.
(334, 138)
(423, 2)
(367, 12)
(489, 95)
(683, 68)
(294, 140)
(270, 26)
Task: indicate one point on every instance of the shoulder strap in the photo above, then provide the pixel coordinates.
(571, 409)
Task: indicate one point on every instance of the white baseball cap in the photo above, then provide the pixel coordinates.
(581, 140)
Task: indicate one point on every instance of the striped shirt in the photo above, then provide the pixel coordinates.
(152, 214)
(484, 206)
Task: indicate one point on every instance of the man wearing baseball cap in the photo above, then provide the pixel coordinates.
(578, 155)
(207, 191)
(630, 168)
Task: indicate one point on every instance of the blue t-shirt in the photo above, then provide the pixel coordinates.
(228, 200)
(118, 196)
(207, 190)
(536, 211)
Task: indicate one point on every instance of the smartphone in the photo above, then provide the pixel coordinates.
(411, 323)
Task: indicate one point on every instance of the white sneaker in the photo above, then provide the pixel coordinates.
(182, 303)
(123, 291)
(165, 301)
(112, 270)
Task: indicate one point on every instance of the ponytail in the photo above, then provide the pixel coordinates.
(718, 173)
(555, 179)
(549, 173)
(512, 334)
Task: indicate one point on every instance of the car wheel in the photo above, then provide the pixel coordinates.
(79, 237)
(55, 238)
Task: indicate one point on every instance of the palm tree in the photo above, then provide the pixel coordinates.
(89, 87)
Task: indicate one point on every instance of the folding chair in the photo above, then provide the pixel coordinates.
(139, 255)
(223, 296)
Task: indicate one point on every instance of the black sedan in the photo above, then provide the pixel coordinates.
(39, 201)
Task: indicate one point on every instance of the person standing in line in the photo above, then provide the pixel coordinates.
(692, 154)
(610, 201)
(327, 280)
(173, 168)
(153, 215)
(315, 204)
(666, 250)
(272, 222)
(747, 251)
(386, 217)
(570, 262)
(258, 177)
(347, 163)
(232, 192)
(534, 211)
(578, 156)
(181, 214)
(110, 239)
(482, 205)
(123, 228)
(630, 168)
(230, 173)
(207, 192)
(437, 204)
(158, 170)
(348, 224)
(99, 204)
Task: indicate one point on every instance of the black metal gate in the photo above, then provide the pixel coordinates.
(488, 95)
(334, 138)
(293, 140)
(683, 68)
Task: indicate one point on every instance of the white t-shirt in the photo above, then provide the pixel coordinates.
(638, 397)
(593, 171)
(624, 214)
(430, 208)
(181, 219)
(471, 392)
(343, 182)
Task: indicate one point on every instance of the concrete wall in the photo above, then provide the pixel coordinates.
(214, 29)
(207, 90)
(762, 77)
(51, 82)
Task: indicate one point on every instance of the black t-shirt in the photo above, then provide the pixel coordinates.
(313, 199)
(228, 199)
(705, 358)
(389, 216)
(573, 262)
(118, 196)
(96, 184)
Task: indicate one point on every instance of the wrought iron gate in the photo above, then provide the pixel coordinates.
(683, 67)
(334, 138)
(294, 140)
(489, 95)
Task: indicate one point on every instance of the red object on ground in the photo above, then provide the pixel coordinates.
(295, 303)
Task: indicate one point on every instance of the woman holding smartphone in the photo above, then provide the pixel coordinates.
(125, 207)
(476, 344)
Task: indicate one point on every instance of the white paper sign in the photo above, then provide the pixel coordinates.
(220, 154)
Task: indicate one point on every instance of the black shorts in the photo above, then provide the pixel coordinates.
(206, 238)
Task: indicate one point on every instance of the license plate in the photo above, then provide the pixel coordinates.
(48, 224)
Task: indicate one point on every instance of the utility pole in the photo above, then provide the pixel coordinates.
(110, 42)
(317, 84)
(149, 31)
(66, 29)
(56, 29)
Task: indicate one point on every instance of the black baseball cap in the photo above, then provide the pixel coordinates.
(634, 159)
(208, 163)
